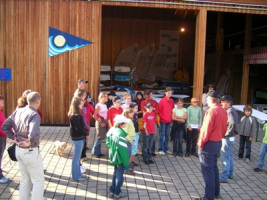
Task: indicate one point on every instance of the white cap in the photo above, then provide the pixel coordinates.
(119, 119)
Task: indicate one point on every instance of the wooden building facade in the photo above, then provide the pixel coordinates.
(24, 26)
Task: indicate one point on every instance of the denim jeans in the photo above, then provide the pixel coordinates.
(244, 140)
(147, 145)
(191, 140)
(262, 155)
(97, 147)
(76, 170)
(227, 157)
(32, 173)
(117, 180)
(208, 162)
(129, 146)
(154, 140)
(2, 149)
(178, 142)
(164, 136)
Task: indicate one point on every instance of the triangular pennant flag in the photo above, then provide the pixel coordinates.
(61, 42)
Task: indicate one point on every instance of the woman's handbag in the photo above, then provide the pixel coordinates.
(11, 150)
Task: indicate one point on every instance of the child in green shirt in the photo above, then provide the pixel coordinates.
(194, 120)
(118, 155)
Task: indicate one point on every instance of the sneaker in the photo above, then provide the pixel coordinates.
(121, 195)
(161, 153)
(83, 169)
(80, 179)
(111, 195)
(187, 154)
(4, 180)
(135, 164)
(151, 161)
(238, 158)
(84, 159)
(147, 162)
(257, 169)
(248, 160)
(222, 181)
(169, 152)
(195, 154)
(131, 172)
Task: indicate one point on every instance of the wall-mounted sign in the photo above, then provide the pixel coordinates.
(61, 42)
(5, 74)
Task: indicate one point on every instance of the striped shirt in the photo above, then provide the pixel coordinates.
(26, 124)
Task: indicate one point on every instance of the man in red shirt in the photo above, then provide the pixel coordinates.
(149, 99)
(209, 143)
(114, 110)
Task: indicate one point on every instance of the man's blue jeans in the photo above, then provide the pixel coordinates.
(164, 136)
(117, 180)
(227, 157)
(76, 170)
(97, 147)
(262, 155)
(209, 168)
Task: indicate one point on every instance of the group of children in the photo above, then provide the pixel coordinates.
(122, 125)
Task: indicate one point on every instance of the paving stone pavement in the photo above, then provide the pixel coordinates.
(170, 178)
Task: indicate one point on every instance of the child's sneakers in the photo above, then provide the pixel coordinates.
(4, 180)
(161, 153)
(121, 195)
(169, 152)
(248, 160)
(83, 169)
(257, 169)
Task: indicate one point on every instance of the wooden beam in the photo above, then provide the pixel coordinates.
(247, 46)
(219, 47)
(200, 44)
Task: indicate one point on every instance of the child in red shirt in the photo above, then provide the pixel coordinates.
(149, 120)
(114, 110)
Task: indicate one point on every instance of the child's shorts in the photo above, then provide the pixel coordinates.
(135, 145)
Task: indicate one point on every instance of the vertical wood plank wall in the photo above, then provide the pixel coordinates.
(118, 34)
(24, 31)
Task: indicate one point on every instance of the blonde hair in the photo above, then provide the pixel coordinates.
(74, 107)
(22, 102)
(79, 93)
(125, 95)
(126, 112)
(25, 93)
(101, 95)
